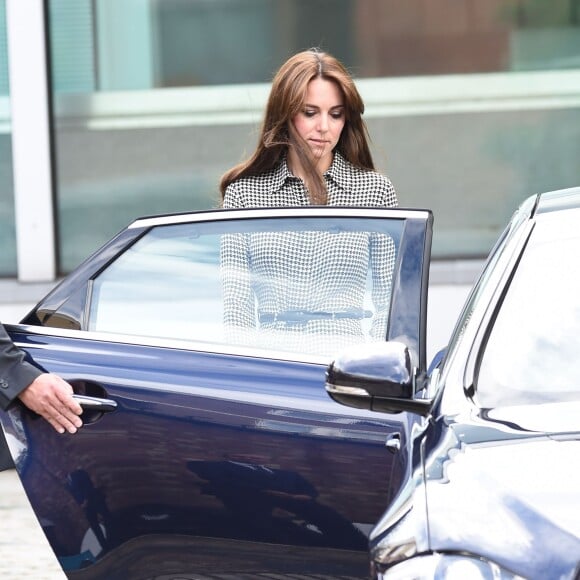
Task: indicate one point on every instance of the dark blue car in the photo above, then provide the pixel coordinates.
(200, 346)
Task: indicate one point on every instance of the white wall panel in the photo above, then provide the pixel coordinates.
(31, 143)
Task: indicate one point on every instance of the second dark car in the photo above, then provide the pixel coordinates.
(492, 487)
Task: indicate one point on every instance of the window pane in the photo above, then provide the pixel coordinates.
(3, 51)
(449, 37)
(471, 106)
(7, 229)
(72, 46)
(312, 286)
(376, 38)
(531, 355)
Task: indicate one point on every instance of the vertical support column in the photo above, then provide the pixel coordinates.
(31, 140)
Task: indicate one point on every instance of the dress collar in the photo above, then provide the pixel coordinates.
(340, 171)
(280, 174)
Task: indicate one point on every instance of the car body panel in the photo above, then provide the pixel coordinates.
(172, 446)
(491, 489)
(520, 514)
(493, 478)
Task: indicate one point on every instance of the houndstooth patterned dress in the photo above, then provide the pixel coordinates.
(268, 275)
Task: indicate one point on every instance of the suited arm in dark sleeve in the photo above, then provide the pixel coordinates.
(48, 395)
(15, 373)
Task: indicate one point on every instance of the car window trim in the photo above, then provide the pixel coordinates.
(169, 343)
(488, 317)
(277, 212)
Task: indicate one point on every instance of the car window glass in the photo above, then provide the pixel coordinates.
(310, 286)
(532, 351)
(478, 295)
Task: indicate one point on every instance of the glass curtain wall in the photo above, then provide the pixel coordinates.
(471, 106)
(7, 231)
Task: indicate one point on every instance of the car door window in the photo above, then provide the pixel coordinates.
(309, 286)
(531, 352)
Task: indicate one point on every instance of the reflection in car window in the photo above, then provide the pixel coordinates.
(166, 285)
(532, 352)
(307, 290)
(264, 285)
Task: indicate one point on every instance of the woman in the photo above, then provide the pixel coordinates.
(313, 147)
(313, 150)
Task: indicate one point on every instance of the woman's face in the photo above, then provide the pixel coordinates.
(321, 119)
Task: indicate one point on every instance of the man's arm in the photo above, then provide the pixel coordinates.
(46, 394)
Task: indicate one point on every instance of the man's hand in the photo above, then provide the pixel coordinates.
(51, 397)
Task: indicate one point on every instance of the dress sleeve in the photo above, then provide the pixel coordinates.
(382, 257)
(390, 195)
(238, 298)
(232, 197)
(237, 294)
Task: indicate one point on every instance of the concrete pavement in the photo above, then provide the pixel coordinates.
(24, 550)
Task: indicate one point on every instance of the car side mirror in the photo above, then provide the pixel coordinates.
(378, 376)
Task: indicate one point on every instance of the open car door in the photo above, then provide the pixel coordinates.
(198, 345)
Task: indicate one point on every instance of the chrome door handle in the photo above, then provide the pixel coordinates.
(393, 442)
(96, 403)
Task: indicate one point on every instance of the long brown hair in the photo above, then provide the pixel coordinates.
(287, 96)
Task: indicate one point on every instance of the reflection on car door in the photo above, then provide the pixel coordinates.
(210, 462)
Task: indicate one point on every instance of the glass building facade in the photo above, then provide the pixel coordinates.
(471, 106)
(7, 222)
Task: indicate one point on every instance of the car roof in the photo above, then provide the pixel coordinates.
(561, 199)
